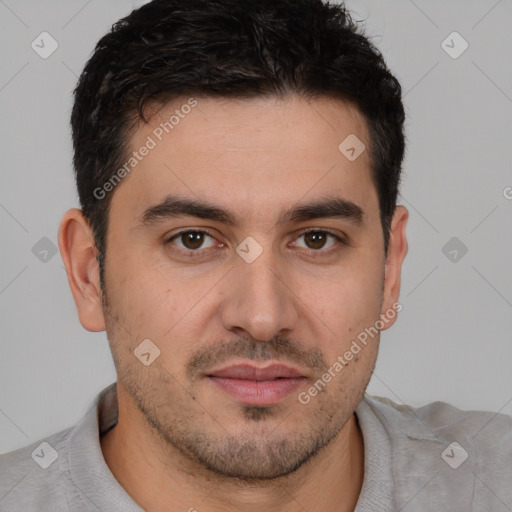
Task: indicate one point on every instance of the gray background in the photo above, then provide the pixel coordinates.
(452, 341)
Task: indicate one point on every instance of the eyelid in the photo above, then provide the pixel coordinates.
(341, 239)
(192, 229)
(190, 252)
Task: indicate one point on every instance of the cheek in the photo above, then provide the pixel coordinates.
(143, 300)
(349, 297)
(160, 304)
(344, 306)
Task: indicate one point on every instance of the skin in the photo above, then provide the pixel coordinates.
(181, 442)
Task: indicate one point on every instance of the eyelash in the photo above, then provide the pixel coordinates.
(314, 252)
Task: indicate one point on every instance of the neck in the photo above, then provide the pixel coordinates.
(160, 478)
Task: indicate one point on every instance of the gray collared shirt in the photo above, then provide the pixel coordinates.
(433, 458)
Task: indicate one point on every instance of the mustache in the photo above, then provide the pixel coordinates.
(278, 348)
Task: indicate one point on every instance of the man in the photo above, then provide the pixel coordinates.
(240, 243)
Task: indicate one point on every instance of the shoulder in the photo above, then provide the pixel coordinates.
(442, 420)
(445, 456)
(33, 477)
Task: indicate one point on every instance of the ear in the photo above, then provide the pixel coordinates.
(397, 250)
(78, 251)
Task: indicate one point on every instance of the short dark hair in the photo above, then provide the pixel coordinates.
(229, 49)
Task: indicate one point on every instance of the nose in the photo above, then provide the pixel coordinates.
(259, 303)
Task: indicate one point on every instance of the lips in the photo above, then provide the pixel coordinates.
(248, 372)
(253, 385)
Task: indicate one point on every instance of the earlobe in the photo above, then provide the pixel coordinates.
(78, 251)
(397, 250)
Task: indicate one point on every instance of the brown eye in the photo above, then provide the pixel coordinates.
(192, 240)
(319, 239)
(315, 239)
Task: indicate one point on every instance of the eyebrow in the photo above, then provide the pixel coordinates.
(174, 206)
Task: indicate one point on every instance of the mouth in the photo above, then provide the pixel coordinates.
(257, 386)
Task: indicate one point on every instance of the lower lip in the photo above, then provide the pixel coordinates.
(261, 392)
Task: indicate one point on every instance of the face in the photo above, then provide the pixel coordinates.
(248, 249)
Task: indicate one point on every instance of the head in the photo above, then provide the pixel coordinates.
(238, 166)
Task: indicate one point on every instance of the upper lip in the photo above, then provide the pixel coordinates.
(251, 372)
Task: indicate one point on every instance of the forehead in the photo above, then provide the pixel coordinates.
(255, 155)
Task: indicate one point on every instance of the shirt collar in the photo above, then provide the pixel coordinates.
(99, 488)
(89, 472)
